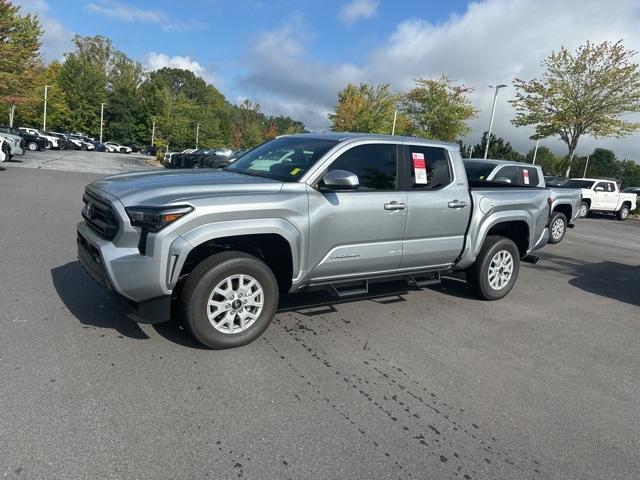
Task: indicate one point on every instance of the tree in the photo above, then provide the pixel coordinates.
(583, 93)
(499, 148)
(546, 159)
(366, 108)
(19, 57)
(438, 109)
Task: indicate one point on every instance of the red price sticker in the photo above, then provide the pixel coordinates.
(419, 167)
(525, 172)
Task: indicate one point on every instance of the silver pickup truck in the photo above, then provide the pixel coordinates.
(565, 202)
(330, 210)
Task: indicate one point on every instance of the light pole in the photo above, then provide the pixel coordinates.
(44, 115)
(493, 112)
(584, 175)
(535, 152)
(197, 134)
(395, 117)
(101, 119)
(153, 131)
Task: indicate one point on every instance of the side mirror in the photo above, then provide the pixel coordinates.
(502, 180)
(340, 180)
(599, 189)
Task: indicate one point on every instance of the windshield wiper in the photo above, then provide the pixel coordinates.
(244, 172)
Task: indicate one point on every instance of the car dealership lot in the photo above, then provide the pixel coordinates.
(406, 384)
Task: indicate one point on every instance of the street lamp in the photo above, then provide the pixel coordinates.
(44, 115)
(197, 134)
(493, 112)
(101, 119)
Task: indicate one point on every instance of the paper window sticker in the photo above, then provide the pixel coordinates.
(295, 171)
(419, 168)
(525, 173)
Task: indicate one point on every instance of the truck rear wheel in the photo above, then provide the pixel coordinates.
(557, 227)
(229, 300)
(495, 271)
(623, 213)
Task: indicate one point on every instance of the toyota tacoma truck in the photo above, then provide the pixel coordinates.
(600, 195)
(565, 201)
(335, 211)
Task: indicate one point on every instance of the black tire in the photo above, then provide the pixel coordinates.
(478, 274)
(200, 285)
(48, 145)
(83, 147)
(623, 213)
(123, 150)
(584, 210)
(557, 227)
(32, 146)
(196, 165)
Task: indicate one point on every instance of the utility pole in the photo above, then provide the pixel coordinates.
(493, 112)
(101, 119)
(12, 112)
(197, 134)
(395, 117)
(584, 175)
(44, 115)
(153, 131)
(535, 152)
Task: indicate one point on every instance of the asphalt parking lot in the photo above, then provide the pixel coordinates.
(422, 384)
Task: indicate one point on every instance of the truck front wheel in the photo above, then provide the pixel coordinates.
(495, 271)
(229, 300)
(584, 210)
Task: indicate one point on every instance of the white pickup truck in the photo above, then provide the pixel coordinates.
(600, 195)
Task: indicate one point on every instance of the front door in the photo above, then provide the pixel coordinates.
(439, 209)
(359, 232)
(601, 196)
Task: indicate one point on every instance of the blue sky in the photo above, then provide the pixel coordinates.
(293, 56)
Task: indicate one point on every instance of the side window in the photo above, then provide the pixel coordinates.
(530, 176)
(612, 188)
(511, 173)
(376, 165)
(602, 185)
(430, 168)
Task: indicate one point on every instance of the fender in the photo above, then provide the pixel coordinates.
(182, 246)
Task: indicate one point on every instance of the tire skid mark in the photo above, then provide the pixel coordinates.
(443, 410)
(340, 411)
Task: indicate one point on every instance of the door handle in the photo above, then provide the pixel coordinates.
(394, 206)
(457, 204)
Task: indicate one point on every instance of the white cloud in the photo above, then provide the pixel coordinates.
(156, 61)
(56, 39)
(358, 10)
(492, 42)
(132, 14)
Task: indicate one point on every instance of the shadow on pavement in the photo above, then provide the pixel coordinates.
(614, 280)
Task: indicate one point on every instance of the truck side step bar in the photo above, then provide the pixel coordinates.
(424, 281)
(349, 289)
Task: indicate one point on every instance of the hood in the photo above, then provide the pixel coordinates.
(166, 187)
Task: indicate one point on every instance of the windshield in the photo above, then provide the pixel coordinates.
(285, 159)
(579, 184)
(478, 170)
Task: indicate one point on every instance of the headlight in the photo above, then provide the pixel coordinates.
(154, 219)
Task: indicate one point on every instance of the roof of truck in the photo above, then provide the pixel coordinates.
(342, 136)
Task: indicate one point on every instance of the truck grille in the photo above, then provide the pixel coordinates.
(100, 216)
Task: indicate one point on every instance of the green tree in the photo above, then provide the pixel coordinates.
(438, 109)
(499, 149)
(366, 108)
(583, 93)
(546, 159)
(19, 57)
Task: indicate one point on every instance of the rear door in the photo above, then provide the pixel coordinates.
(355, 233)
(439, 208)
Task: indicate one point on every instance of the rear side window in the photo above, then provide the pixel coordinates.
(376, 165)
(432, 161)
(530, 176)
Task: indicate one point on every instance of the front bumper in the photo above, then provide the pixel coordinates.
(144, 298)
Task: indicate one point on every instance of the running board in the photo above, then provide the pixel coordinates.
(531, 259)
(424, 281)
(350, 289)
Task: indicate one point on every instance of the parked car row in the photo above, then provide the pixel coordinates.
(26, 138)
(202, 158)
